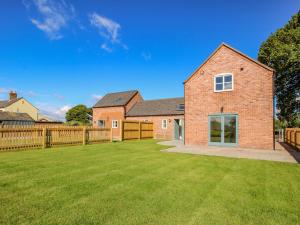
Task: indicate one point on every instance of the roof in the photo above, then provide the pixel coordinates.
(167, 106)
(6, 103)
(12, 116)
(116, 99)
(235, 50)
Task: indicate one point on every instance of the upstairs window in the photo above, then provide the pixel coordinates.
(101, 123)
(223, 82)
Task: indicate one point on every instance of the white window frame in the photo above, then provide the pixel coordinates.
(224, 75)
(162, 124)
(114, 125)
(103, 123)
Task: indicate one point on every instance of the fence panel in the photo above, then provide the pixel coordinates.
(292, 137)
(28, 138)
(64, 136)
(95, 135)
(136, 130)
(12, 139)
(146, 130)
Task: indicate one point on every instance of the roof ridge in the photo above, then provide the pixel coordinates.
(122, 92)
(162, 99)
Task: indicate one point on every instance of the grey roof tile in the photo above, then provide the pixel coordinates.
(168, 106)
(6, 103)
(115, 99)
(12, 116)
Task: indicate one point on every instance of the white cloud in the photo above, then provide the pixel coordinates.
(57, 113)
(106, 48)
(108, 29)
(146, 56)
(96, 97)
(54, 15)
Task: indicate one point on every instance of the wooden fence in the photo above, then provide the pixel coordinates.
(136, 130)
(41, 125)
(24, 138)
(292, 137)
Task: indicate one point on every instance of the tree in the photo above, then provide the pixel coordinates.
(281, 51)
(79, 115)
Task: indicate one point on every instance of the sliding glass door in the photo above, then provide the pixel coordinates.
(223, 129)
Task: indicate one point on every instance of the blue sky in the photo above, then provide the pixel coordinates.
(59, 53)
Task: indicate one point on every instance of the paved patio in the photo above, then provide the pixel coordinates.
(283, 152)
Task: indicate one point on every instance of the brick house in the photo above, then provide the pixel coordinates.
(166, 114)
(229, 102)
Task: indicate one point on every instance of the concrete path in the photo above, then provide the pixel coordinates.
(283, 152)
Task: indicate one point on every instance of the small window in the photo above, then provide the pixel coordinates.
(101, 123)
(223, 82)
(114, 124)
(180, 107)
(164, 124)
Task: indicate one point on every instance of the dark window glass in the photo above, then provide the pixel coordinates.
(219, 87)
(219, 79)
(228, 78)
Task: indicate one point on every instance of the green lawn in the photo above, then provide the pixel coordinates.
(135, 183)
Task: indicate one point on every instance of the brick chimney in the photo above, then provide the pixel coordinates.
(12, 95)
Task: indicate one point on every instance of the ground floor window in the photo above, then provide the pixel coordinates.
(101, 123)
(223, 129)
(114, 124)
(164, 124)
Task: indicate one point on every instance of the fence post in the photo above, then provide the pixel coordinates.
(44, 137)
(111, 135)
(121, 129)
(296, 141)
(140, 130)
(84, 136)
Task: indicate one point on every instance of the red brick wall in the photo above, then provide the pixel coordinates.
(251, 99)
(131, 103)
(114, 113)
(160, 133)
(108, 114)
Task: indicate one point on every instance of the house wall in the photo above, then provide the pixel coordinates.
(160, 133)
(23, 106)
(251, 99)
(108, 114)
(131, 103)
(114, 113)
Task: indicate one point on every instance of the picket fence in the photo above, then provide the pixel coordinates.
(28, 138)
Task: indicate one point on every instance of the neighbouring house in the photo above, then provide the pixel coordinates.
(166, 114)
(19, 105)
(12, 118)
(229, 102)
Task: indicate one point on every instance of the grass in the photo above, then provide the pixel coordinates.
(135, 183)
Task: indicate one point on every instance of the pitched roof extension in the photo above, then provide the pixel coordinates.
(160, 107)
(116, 99)
(12, 116)
(6, 103)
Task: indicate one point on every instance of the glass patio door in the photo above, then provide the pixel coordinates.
(223, 129)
